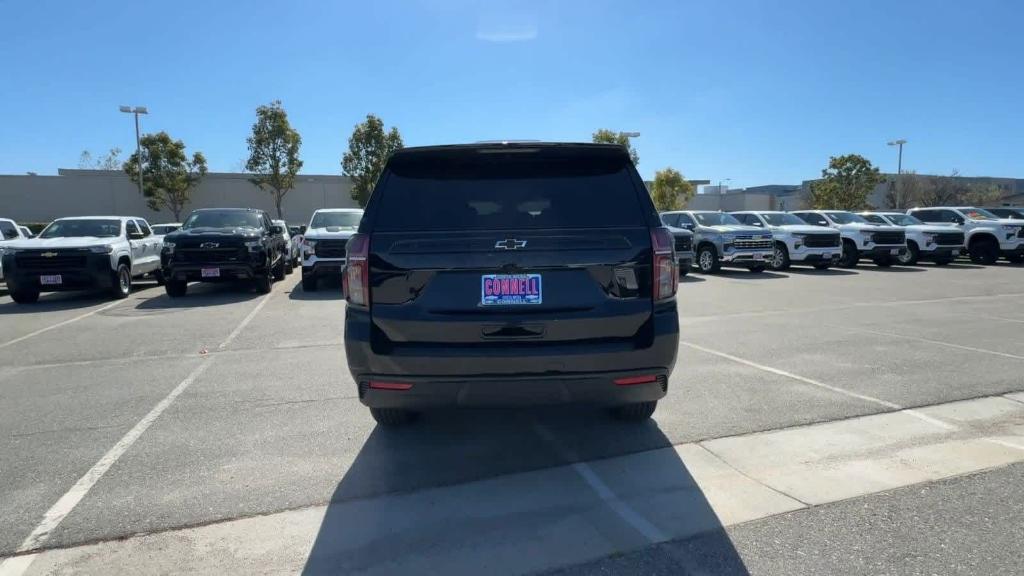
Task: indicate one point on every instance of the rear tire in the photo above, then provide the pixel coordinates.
(780, 258)
(121, 282)
(309, 283)
(176, 288)
(910, 256)
(288, 268)
(264, 283)
(984, 251)
(635, 412)
(391, 417)
(850, 255)
(882, 261)
(707, 259)
(25, 296)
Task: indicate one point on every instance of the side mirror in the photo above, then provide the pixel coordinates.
(136, 235)
(275, 229)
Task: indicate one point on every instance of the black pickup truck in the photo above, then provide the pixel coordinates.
(224, 244)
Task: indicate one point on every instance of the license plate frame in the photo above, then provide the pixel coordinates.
(511, 289)
(51, 280)
(758, 257)
(894, 252)
(209, 272)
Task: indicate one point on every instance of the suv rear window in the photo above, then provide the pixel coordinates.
(507, 189)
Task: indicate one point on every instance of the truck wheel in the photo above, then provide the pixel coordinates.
(984, 251)
(780, 258)
(310, 283)
(882, 261)
(159, 277)
(264, 283)
(391, 416)
(707, 259)
(850, 255)
(25, 296)
(176, 288)
(757, 269)
(635, 412)
(288, 268)
(910, 256)
(279, 271)
(121, 283)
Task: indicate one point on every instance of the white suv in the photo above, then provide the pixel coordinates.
(939, 244)
(323, 247)
(986, 235)
(861, 239)
(82, 253)
(796, 242)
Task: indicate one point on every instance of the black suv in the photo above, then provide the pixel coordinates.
(495, 274)
(218, 244)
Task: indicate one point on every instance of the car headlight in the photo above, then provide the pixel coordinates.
(308, 242)
(254, 245)
(1010, 228)
(101, 249)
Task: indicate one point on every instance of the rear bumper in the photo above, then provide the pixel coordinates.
(96, 274)
(517, 373)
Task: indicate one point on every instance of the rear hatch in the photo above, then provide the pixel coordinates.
(486, 245)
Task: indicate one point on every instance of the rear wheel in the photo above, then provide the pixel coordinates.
(882, 261)
(309, 283)
(707, 259)
(391, 416)
(850, 255)
(635, 412)
(984, 251)
(780, 258)
(910, 256)
(264, 283)
(121, 284)
(288, 267)
(176, 288)
(25, 296)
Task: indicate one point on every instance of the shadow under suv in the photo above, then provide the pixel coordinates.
(498, 274)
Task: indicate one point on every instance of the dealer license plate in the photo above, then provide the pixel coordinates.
(51, 280)
(210, 272)
(510, 289)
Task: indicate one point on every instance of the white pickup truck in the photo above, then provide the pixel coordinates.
(796, 242)
(861, 239)
(9, 232)
(939, 244)
(82, 253)
(986, 236)
(323, 245)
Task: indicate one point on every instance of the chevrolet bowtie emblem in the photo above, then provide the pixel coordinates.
(510, 244)
(48, 254)
(209, 245)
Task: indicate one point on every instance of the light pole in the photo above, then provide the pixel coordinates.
(720, 183)
(138, 140)
(899, 166)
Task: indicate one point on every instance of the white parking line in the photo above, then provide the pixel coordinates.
(17, 565)
(929, 341)
(836, 389)
(652, 533)
(59, 324)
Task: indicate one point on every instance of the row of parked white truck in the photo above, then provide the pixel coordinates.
(762, 239)
(111, 252)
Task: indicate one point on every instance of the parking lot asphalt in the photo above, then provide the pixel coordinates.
(246, 407)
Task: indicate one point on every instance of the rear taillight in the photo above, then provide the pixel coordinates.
(666, 271)
(356, 281)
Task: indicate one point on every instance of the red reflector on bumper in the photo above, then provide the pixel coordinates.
(636, 380)
(390, 385)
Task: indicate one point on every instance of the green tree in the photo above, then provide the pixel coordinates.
(169, 175)
(845, 184)
(670, 190)
(368, 150)
(109, 161)
(605, 136)
(273, 153)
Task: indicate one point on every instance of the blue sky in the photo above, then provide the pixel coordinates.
(759, 92)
